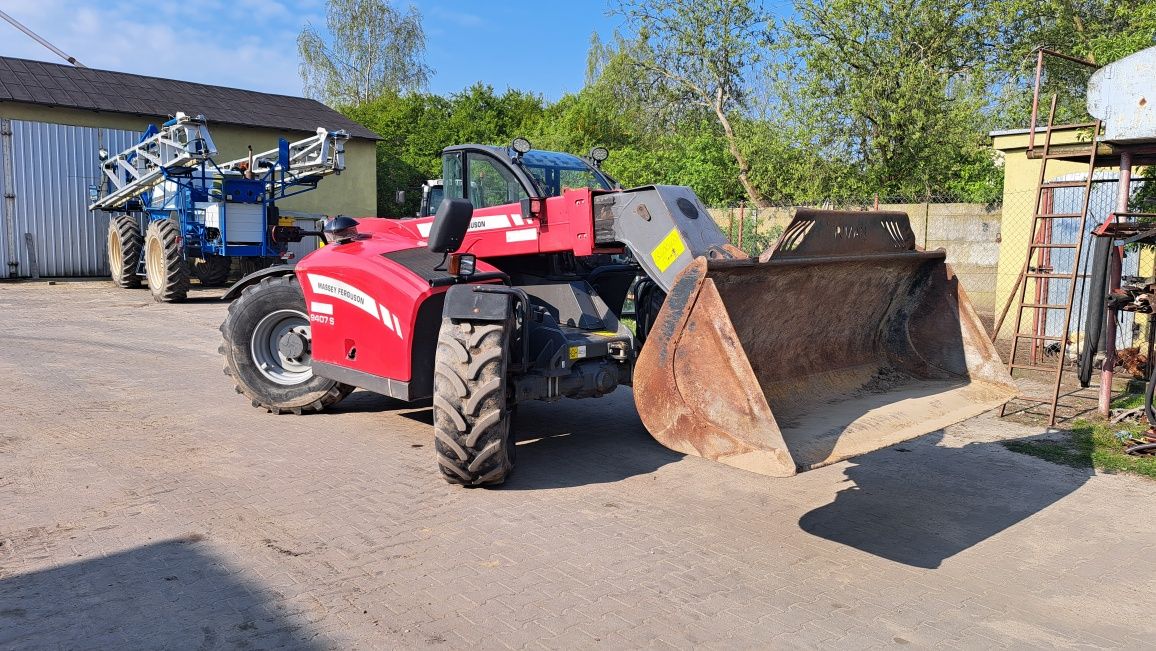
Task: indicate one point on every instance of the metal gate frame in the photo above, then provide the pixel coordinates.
(7, 203)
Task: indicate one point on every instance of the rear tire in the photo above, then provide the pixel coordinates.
(265, 322)
(211, 270)
(250, 265)
(124, 250)
(165, 268)
(473, 438)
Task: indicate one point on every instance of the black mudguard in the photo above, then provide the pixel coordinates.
(256, 277)
(462, 302)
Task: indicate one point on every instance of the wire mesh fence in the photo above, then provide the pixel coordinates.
(970, 233)
(1131, 329)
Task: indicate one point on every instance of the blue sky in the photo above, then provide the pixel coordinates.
(536, 46)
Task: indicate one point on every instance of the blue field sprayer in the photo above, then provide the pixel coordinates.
(176, 214)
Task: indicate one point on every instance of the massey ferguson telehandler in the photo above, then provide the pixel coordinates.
(842, 338)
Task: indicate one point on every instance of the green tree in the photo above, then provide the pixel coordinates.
(900, 88)
(480, 115)
(416, 127)
(700, 53)
(370, 49)
(414, 130)
(1099, 31)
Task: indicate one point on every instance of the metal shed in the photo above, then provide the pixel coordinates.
(47, 169)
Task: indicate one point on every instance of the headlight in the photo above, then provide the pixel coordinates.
(462, 265)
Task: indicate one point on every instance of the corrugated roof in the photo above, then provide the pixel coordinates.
(51, 84)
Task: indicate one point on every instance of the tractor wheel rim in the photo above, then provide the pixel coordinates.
(265, 347)
(155, 267)
(115, 262)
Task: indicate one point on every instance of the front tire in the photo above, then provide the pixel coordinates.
(268, 350)
(473, 438)
(124, 250)
(165, 267)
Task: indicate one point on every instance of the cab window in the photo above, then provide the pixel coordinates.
(452, 176)
(491, 183)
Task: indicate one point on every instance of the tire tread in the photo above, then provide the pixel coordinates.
(126, 230)
(472, 437)
(175, 286)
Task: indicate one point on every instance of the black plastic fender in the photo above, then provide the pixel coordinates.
(256, 277)
(463, 302)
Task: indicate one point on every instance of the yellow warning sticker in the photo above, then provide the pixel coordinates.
(577, 352)
(668, 250)
(605, 333)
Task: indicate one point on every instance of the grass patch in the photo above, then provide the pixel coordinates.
(1090, 445)
(1129, 401)
(1069, 452)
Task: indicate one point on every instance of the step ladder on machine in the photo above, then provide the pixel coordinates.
(1031, 340)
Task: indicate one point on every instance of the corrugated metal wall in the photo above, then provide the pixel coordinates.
(53, 165)
(6, 202)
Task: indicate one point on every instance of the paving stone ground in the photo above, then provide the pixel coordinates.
(143, 504)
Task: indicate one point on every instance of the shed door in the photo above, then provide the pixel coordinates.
(52, 167)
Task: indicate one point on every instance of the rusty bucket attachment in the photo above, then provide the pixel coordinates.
(841, 339)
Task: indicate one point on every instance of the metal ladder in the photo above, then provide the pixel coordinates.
(1041, 246)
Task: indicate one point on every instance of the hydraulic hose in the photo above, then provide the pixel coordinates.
(1148, 395)
(1097, 308)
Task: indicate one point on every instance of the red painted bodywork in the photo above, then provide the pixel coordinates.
(384, 345)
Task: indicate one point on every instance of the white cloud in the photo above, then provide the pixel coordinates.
(247, 44)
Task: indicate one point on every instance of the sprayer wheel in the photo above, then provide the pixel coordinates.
(124, 250)
(211, 270)
(165, 268)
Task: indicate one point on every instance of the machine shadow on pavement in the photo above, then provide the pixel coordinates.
(168, 594)
(368, 402)
(919, 503)
(561, 444)
(581, 442)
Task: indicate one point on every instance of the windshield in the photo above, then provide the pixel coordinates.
(431, 201)
(555, 172)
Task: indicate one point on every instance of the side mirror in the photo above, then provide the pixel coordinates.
(450, 225)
